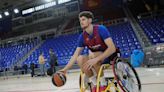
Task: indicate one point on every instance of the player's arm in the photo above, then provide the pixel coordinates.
(109, 51)
(80, 47)
(73, 58)
(108, 41)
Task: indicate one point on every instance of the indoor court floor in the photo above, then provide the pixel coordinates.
(152, 80)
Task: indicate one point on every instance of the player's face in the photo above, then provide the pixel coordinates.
(84, 22)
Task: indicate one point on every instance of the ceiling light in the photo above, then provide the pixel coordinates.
(6, 13)
(48, 0)
(16, 11)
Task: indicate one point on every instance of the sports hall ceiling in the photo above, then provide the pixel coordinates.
(6, 4)
(22, 4)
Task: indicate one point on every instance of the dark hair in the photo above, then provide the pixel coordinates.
(86, 14)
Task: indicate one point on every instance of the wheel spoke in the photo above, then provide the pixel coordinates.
(127, 77)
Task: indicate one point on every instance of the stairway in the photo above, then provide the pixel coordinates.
(143, 39)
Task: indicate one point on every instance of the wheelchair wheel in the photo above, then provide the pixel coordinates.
(126, 76)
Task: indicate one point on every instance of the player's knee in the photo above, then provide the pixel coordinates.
(89, 73)
(80, 60)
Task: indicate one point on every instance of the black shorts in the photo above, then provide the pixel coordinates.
(110, 58)
(106, 61)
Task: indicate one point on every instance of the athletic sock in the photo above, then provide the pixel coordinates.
(93, 80)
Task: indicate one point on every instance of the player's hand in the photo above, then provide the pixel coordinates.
(90, 63)
(63, 71)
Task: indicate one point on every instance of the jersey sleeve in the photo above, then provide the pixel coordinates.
(80, 41)
(104, 33)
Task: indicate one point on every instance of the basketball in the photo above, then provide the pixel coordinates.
(59, 79)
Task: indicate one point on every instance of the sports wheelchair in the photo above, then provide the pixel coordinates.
(124, 79)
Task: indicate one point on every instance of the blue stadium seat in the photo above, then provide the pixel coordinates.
(11, 54)
(63, 46)
(153, 28)
(124, 38)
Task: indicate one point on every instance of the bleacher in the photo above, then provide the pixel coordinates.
(63, 46)
(154, 29)
(11, 54)
(124, 38)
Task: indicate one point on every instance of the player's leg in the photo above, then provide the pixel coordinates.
(84, 58)
(89, 75)
(94, 55)
(81, 60)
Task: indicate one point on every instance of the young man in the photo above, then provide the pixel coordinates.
(42, 64)
(97, 38)
(53, 60)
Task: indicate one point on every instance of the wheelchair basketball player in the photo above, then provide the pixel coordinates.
(99, 42)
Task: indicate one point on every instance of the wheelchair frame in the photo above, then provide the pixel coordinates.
(113, 80)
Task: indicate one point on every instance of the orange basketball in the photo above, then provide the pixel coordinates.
(59, 79)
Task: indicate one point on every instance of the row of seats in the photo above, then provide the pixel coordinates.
(10, 55)
(154, 29)
(124, 38)
(63, 46)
